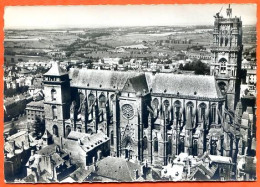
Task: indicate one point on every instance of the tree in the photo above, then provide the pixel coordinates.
(38, 127)
(198, 67)
(181, 67)
(13, 129)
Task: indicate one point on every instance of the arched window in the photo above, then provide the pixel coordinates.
(213, 150)
(78, 129)
(155, 145)
(221, 41)
(55, 130)
(54, 112)
(68, 130)
(53, 95)
(112, 138)
(177, 108)
(145, 143)
(213, 112)
(102, 101)
(195, 148)
(181, 145)
(91, 99)
(155, 103)
(169, 146)
(202, 110)
(189, 108)
(111, 103)
(166, 104)
(223, 66)
(226, 41)
(81, 98)
(223, 87)
(89, 131)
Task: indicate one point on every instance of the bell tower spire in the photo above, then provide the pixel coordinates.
(226, 56)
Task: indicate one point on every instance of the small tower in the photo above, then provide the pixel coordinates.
(226, 56)
(57, 100)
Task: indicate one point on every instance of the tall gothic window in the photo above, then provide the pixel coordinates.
(195, 148)
(213, 113)
(54, 112)
(223, 65)
(53, 95)
(166, 104)
(177, 108)
(213, 150)
(202, 110)
(91, 99)
(155, 145)
(189, 108)
(155, 103)
(81, 98)
(102, 101)
(145, 143)
(169, 146)
(111, 102)
(112, 138)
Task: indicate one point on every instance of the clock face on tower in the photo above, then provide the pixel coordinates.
(127, 111)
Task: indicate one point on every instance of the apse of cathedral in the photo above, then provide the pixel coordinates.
(152, 117)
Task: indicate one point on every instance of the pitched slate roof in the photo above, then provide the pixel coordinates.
(55, 70)
(187, 85)
(118, 169)
(99, 79)
(136, 84)
(160, 83)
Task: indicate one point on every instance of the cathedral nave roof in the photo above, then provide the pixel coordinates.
(187, 85)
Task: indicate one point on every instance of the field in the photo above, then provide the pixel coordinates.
(38, 45)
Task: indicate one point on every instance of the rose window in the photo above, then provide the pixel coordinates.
(128, 111)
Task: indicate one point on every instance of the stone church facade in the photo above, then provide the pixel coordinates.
(152, 117)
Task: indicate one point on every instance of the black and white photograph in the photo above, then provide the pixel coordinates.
(130, 93)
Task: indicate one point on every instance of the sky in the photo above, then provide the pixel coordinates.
(40, 17)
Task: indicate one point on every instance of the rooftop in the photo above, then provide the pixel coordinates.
(16, 135)
(99, 79)
(160, 83)
(36, 103)
(55, 70)
(118, 169)
(188, 85)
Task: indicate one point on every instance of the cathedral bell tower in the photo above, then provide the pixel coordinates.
(57, 100)
(226, 56)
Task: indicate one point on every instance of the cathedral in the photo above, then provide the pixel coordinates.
(152, 117)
